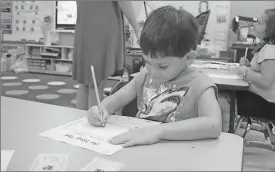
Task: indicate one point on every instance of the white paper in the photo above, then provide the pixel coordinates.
(50, 162)
(213, 65)
(222, 76)
(101, 164)
(6, 156)
(80, 133)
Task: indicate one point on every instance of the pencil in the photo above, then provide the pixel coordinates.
(96, 91)
(245, 52)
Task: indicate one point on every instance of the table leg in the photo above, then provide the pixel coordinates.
(234, 56)
(232, 111)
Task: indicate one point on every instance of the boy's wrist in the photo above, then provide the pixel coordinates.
(105, 105)
(160, 131)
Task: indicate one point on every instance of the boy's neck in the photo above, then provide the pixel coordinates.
(182, 72)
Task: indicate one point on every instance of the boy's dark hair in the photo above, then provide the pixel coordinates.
(169, 32)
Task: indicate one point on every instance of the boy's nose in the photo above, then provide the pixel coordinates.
(152, 72)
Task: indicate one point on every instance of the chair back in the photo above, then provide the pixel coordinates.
(131, 108)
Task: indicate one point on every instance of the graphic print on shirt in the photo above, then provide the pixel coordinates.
(164, 104)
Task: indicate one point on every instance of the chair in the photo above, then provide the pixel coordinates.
(241, 22)
(246, 113)
(202, 19)
(131, 108)
(126, 69)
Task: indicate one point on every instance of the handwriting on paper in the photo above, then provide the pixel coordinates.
(84, 140)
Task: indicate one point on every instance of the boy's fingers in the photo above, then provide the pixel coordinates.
(104, 114)
(100, 113)
(120, 139)
(95, 122)
(130, 143)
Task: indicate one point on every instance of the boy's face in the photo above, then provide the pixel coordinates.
(164, 69)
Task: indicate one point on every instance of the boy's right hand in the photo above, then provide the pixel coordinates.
(97, 118)
(244, 62)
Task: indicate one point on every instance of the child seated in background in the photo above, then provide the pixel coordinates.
(259, 101)
(168, 90)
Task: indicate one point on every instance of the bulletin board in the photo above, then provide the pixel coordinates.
(28, 20)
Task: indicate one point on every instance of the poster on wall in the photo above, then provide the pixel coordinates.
(222, 13)
(28, 20)
(221, 25)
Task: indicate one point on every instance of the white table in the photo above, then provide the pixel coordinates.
(223, 78)
(22, 121)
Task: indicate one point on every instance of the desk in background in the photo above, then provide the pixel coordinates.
(230, 85)
(22, 121)
(134, 55)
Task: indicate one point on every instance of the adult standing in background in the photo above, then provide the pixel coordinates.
(99, 41)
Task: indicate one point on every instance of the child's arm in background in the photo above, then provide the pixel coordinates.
(120, 98)
(207, 125)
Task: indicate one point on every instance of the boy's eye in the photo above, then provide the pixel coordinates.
(163, 66)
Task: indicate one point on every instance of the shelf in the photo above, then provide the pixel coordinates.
(65, 31)
(63, 60)
(42, 58)
(134, 54)
(6, 22)
(34, 52)
(54, 46)
(50, 72)
(6, 29)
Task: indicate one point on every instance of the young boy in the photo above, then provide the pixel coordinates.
(168, 90)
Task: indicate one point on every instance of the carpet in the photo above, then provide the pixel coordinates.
(51, 89)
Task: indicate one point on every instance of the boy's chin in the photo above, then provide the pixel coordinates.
(159, 81)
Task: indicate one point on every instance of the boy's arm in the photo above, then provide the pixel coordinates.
(206, 126)
(120, 98)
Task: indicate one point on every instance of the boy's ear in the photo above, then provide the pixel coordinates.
(191, 55)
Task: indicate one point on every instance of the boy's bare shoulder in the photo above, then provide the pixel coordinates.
(195, 75)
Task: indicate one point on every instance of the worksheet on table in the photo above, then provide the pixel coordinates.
(224, 76)
(80, 133)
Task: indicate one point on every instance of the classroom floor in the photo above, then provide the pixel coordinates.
(57, 90)
(60, 90)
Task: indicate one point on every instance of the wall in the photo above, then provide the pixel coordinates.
(252, 8)
(249, 9)
(66, 38)
(244, 8)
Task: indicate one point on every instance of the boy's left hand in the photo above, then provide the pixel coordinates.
(142, 136)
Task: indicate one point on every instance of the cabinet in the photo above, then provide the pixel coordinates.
(6, 17)
(55, 59)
